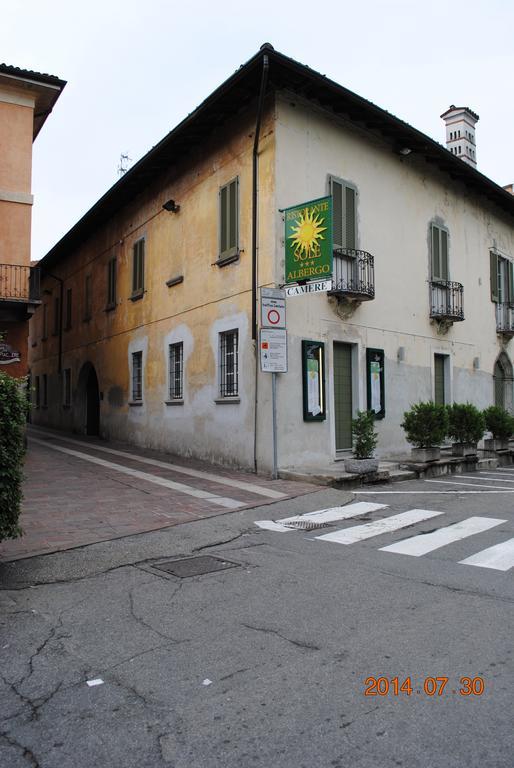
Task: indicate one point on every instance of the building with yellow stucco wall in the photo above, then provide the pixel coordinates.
(159, 340)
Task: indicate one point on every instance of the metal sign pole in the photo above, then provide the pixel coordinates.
(274, 418)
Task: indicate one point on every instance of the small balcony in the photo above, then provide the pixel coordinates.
(505, 319)
(19, 290)
(446, 301)
(353, 275)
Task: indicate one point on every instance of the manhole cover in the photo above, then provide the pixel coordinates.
(305, 525)
(195, 566)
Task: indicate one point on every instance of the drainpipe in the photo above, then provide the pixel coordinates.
(264, 81)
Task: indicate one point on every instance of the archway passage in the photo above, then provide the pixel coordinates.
(92, 403)
(503, 382)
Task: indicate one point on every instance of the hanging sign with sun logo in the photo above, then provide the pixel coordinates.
(308, 241)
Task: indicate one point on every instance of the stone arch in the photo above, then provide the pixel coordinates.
(503, 378)
(87, 401)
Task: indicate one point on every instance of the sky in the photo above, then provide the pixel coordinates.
(136, 69)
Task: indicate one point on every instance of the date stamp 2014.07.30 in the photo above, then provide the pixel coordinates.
(430, 686)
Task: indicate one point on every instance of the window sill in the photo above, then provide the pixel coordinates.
(178, 401)
(136, 296)
(135, 403)
(44, 338)
(224, 261)
(227, 400)
(110, 307)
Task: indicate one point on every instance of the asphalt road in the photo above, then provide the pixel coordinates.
(266, 664)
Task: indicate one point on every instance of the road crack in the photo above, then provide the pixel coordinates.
(297, 643)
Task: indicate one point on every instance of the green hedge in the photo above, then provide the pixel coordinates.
(13, 416)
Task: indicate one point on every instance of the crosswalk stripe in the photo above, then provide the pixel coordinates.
(420, 545)
(220, 501)
(467, 485)
(500, 557)
(378, 527)
(332, 514)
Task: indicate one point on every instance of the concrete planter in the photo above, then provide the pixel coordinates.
(464, 449)
(495, 444)
(425, 454)
(361, 466)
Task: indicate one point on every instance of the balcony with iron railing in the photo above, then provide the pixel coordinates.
(19, 284)
(446, 301)
(353, 275)
(505, 318)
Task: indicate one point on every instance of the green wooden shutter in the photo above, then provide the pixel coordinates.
(343, 410)
(444, 254)
(351, 239)
(232, 215)
(223, 220)
(336, 189)
(439, 394)
(510, 284)
(142, 264)
(494, 275)
(436, 256)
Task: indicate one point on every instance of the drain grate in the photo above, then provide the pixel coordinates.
(195, 566)
(304, 525)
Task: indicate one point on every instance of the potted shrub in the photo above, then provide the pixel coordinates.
(364, 439)
(466, 426)
(501, 424)
(426, 426)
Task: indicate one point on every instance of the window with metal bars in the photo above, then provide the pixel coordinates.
(44, 398)
(176, 371)
(137, 376)
(138, 269)
(229, 366)
(37, 394)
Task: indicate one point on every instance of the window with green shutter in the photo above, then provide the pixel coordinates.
(502, 279)
(344, 213)
(138, 269)
(229, 220)
(439, 253)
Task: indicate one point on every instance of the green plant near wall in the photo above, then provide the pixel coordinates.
(466, 424)
(425, 424)
(364, 436)
(499, 422)
(13, 416)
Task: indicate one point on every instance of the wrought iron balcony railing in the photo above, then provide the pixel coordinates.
(19, 283)
(505, 318)
(353, 274)
(446, 300)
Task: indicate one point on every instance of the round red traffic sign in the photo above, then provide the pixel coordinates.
(273, 317)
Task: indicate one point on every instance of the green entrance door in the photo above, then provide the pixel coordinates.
(343, 395)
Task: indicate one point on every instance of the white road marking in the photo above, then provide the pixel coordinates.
(468, 485)
(420, 545)
(244, 486)
(500, 557)
(270, 525)
(430, 493)
(329, 515)
(332, 514)
(386, 525)
(489, 477)
(187, 489)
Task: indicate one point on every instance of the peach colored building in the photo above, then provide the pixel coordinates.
(26, 100)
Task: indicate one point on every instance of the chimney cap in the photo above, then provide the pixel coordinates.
(453, 108)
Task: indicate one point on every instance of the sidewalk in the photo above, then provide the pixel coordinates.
(82, 491)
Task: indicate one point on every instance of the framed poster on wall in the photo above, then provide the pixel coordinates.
(375, 384)
(313, 375)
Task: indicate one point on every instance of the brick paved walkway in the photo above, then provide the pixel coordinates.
(70, 501)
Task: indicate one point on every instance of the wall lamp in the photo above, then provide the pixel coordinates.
(404, 151)
(171, 206)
